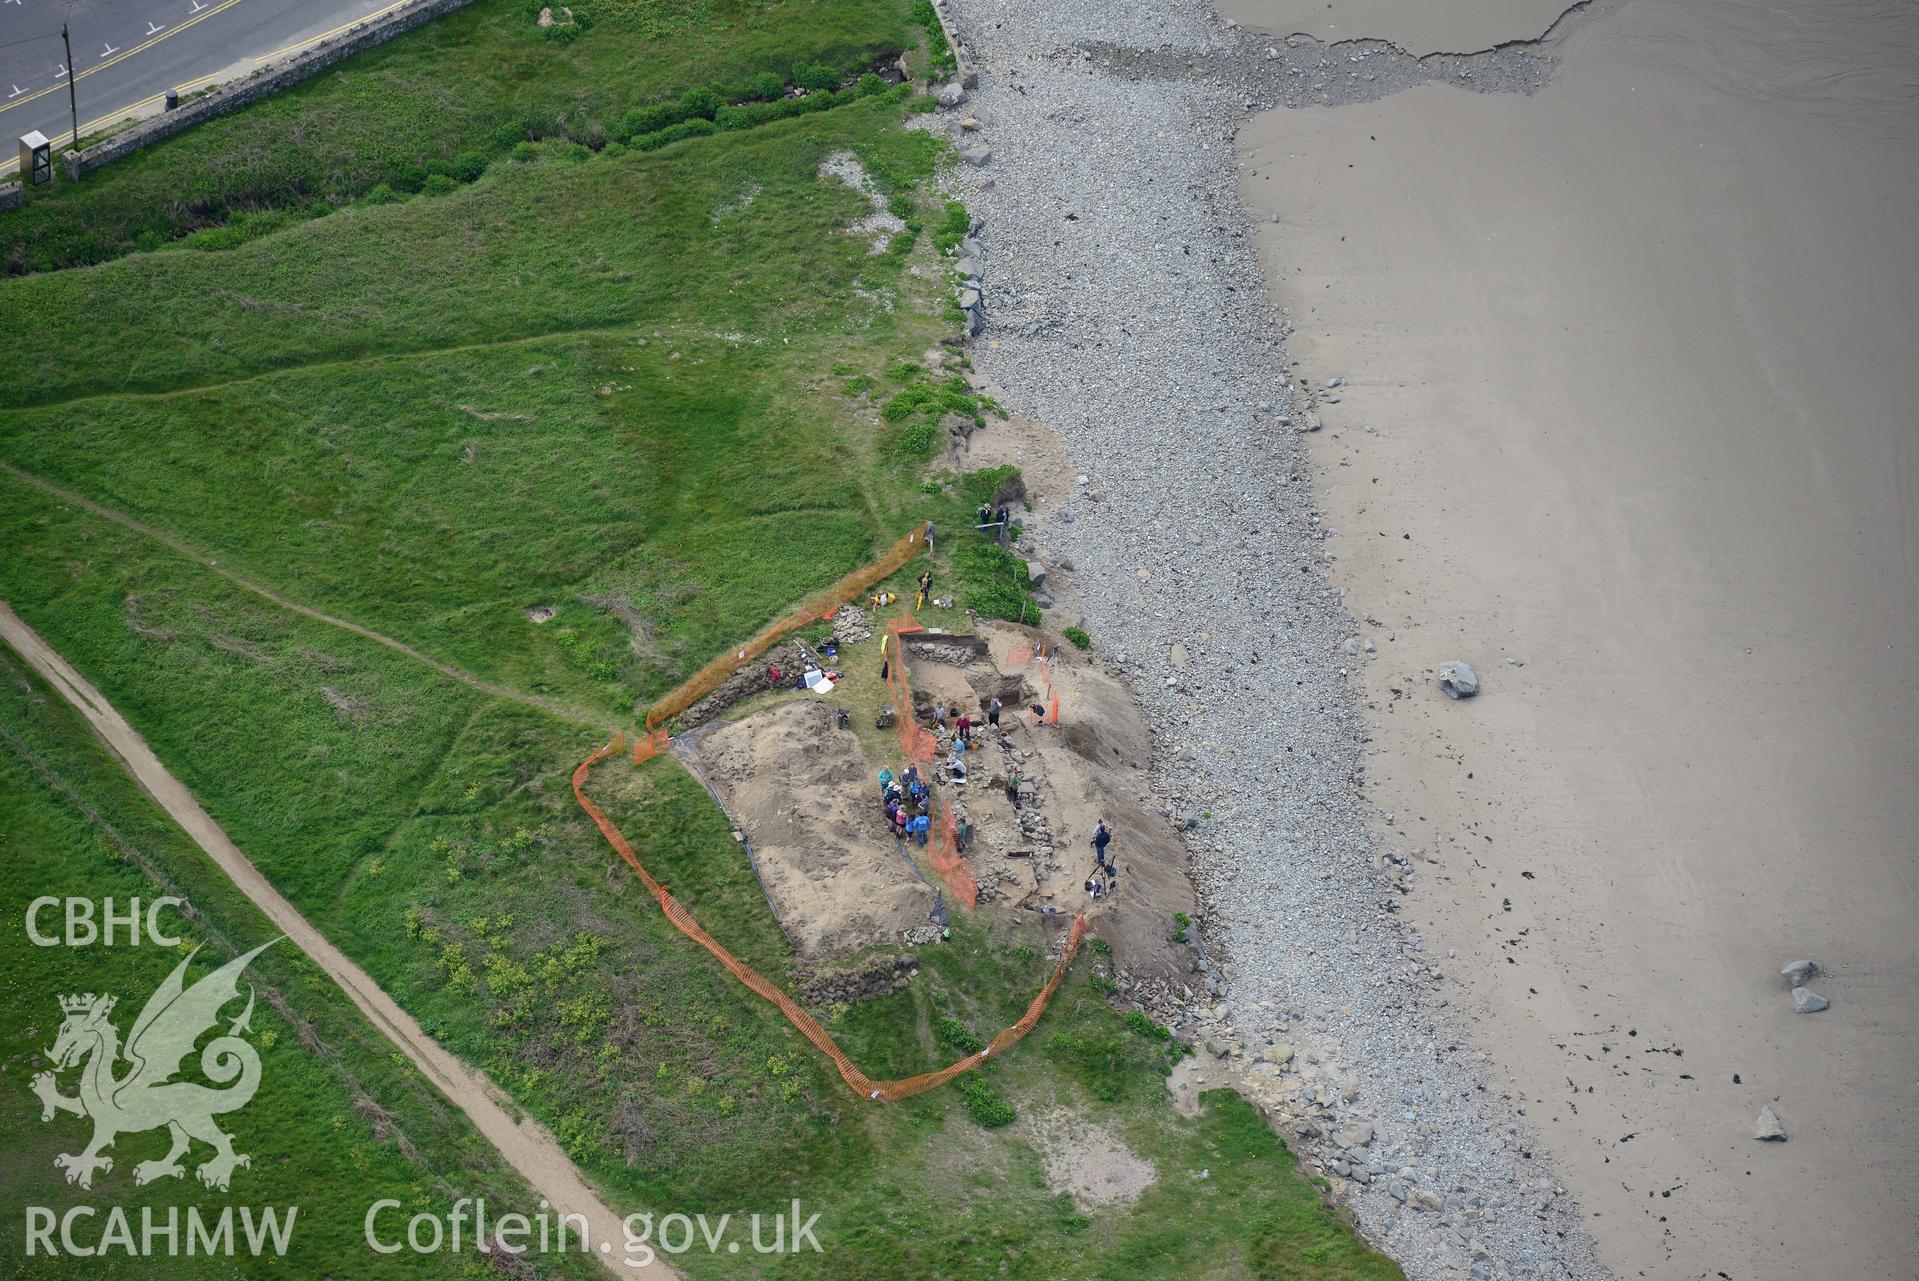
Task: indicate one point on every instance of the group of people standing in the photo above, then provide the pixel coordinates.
(963, 723)
(996, 521)
(907, 802)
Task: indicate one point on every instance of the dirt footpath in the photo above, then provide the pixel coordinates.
(525, 1145)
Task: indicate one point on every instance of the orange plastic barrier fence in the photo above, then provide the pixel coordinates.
(919, 745)
(809, 1027)
(1052, 699)
(1020, 656)
(820, 606)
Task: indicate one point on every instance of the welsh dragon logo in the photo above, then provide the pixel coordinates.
(145, 1096)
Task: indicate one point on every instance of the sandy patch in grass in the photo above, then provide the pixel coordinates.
(881, 225)
(1088, 1162)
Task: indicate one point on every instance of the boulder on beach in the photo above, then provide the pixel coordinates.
(1807, 1001)
(1354, 1134)
(1796, 973)
(1456, 680)
(1767, 1128)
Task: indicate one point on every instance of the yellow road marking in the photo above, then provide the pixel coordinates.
(328, 35)
(122, 56)
(133, 108)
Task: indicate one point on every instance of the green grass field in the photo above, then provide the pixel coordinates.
(472, 84)
(337, 1124)
(664, 394)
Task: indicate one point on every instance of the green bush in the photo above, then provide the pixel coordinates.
(922, 106)
(381, 194)
(871, 83)
(469, 165)
(935, 400)
(760, 113)
(952, 227)
(1079, 637)
(957, 1036)
(440, 184)
(985, 484)
(985, 1104)
(816, 75)
(992, 581)
(914, 442)
(700, 103)
(410, 178)
(675, 133)
(1146, 1027)
(643, 120)
(767, 87)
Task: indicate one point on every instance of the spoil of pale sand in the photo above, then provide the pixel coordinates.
(1630, 386)
(805, 798)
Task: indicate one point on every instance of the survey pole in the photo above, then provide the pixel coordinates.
(73, 98)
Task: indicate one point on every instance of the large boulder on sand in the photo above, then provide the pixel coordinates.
(1456, 680)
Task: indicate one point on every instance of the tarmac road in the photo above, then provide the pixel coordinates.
(128, 53)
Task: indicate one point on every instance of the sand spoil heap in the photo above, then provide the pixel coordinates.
(797, 785)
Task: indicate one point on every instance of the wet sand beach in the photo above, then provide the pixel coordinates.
(1629, 423)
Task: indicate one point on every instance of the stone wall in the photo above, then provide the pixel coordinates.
(962, 57)
(260, 84)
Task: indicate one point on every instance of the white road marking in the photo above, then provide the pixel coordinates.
(17, 91)
(197, 6)
(109, 50)
(155, 28)
(59, 71)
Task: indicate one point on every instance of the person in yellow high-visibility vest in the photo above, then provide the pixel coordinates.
(884, 637)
